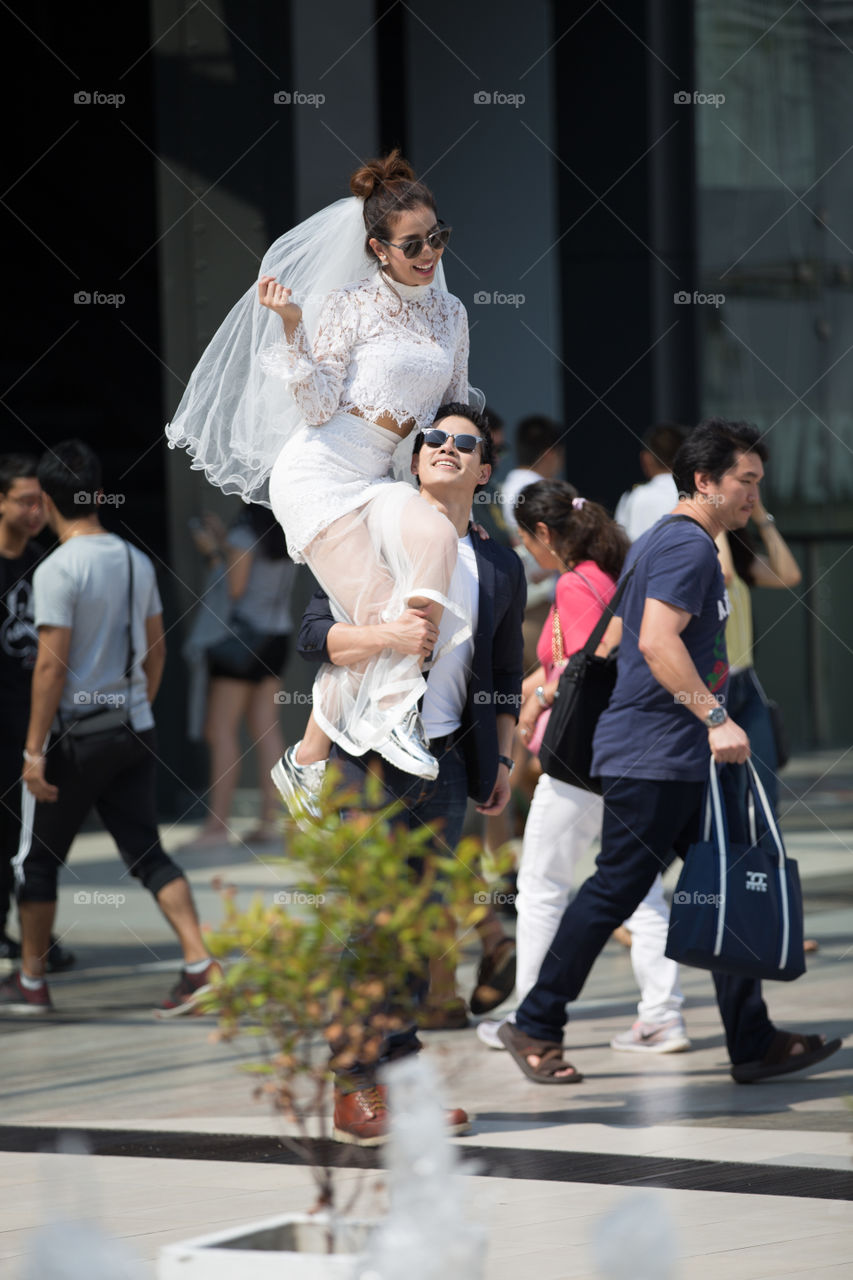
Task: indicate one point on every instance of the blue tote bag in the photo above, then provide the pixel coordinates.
(738, 908)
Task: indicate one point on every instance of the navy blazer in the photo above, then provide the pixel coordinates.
(494, 686)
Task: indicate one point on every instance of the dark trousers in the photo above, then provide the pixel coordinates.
(440, 804)
(646, 823)
(114, 773)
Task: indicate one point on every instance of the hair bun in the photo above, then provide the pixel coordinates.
(390, 168)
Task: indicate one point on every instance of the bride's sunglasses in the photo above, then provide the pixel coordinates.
(413, 248)
(434, 439)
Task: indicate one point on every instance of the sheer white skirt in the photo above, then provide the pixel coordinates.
(373, 544)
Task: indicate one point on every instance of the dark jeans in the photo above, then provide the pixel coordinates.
(646, 823)
(441, 804)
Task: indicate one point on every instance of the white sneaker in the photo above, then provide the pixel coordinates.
(487, 1031)
(299, 786)
(654, 1037)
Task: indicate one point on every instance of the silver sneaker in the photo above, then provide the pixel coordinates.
(651, 1037)
(299, 786)
(407, 748)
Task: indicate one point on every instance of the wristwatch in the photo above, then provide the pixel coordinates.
(539, 691)
(510, 764)
(768, 519)
(719, 715)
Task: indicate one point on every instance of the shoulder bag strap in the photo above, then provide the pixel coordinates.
(128, 674)
(604, 621)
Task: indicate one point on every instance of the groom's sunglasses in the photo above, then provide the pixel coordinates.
(413, 248)
(434, 439)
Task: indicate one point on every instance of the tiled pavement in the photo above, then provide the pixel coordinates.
(755, 1181)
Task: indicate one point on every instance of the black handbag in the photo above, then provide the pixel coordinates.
(582, 694)
(738, 908)
(235, 654)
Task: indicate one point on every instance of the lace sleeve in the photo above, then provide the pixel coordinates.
(315, 378)
(458, 389)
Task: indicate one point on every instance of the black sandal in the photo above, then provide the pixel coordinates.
(780, 1061)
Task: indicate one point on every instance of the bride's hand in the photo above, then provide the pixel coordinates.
(273, 295)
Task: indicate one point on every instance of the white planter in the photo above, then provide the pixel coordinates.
(292, 1245)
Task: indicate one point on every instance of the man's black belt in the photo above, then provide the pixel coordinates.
(438, 746)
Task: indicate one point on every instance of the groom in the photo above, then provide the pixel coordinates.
(470, 708)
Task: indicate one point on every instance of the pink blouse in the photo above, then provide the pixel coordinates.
(580, 599)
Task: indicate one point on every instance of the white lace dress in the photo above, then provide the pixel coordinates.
(372, 542)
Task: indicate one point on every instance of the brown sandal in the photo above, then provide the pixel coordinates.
(779, 1059)
(495, 978)
(550, 1057)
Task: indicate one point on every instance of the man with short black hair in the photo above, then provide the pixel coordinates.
(652, 749)
(470, 708)
(642, 506)
(90, 740)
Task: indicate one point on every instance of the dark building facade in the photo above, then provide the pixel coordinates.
(652, 215)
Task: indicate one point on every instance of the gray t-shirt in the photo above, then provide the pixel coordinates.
(266, 601)
(83, 585)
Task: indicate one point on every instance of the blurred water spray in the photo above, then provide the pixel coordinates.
(636, 1240)
(425, 1236)
(72, 1246)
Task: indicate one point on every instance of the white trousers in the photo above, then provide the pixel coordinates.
(562, 823)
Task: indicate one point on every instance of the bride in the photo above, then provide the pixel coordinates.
(309, 417)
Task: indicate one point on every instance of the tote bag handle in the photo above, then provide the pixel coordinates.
(715, 826)
(757, 792)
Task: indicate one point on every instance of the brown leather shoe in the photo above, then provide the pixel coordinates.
(361, 1117)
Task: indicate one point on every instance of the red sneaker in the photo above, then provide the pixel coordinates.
(187, 991)
(15, 998)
